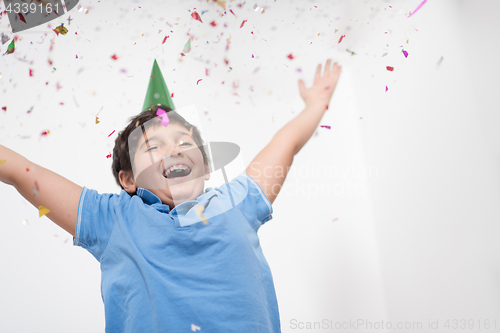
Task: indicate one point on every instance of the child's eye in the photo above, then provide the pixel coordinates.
(150, 149)
(187, 143)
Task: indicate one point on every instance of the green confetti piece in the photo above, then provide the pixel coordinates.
(11, 48)
(187, 47)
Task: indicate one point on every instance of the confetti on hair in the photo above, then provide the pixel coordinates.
(187, 46)
(242, 23)
(61, 30)
(196, 16)
(42, 211)
(11, 48)
(341, 38)
(35, 190)
(198, 81)
(405, 54)
(3, 162)
(164, 118)
(325, 126)
(290, 56)
(199, 210)
(111, 134)
(390, 69)
(114, 57)
(195, 328)
(419, 6)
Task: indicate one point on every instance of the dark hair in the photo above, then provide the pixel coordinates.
(121, 156)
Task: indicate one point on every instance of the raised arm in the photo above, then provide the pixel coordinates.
(52, 191)
(270, 167)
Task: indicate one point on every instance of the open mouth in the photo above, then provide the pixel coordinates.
(177, 172)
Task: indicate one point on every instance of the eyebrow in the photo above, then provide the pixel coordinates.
(155, 137)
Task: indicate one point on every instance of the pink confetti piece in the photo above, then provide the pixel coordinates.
(196, 16)
(164, 118)
(172, 95)
(335, 219)
(341, 37)
(386, 88)
(198, 81)
(108, 156)
(405, 53)
(242, 23)
(111, 134)
(31, 72)
(114, 57)
(22, 17)
(165, 39)
(390, 69)
(419, 6)
(232, 12)
(213, 24)
(290, 56)
(4, 108)
(324, 126)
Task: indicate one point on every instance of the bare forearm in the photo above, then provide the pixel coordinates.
(300, 129)
(10, 162)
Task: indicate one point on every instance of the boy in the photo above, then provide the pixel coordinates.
(175, 258)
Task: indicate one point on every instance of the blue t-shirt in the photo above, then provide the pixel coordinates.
(168, 271)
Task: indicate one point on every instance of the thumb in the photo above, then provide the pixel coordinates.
(302, 87)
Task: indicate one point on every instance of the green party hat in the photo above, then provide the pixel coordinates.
(157, 90)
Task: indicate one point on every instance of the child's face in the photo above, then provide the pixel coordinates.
(159, 149)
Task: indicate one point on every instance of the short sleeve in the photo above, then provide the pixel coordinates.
(249, 199)
(95, 221)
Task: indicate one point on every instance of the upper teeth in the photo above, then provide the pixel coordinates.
(180, 166)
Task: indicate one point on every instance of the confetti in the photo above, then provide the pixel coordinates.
(290, 56)
(335, 219)
(4, 38)
(114, 57)
(172, 95)
(221, 3)
(440, 61)
(3, 162)
(21, 16)
(389, 68)
(187, 46)
(31, 72)
(199, 210)
(97, 120)
(108, 156)
(341, 37)
(419, 6)
(61, 30)
(165, 39)
(4, 108)
(386, 88)
(111, 134)
(351, 52)
(193, 326)
(196, 16)
(164, 118)
(324, 126)
(45, 132)
(198, 81)
(42, 211)
(11, 48)
(242, 23)
(405, 53)
(35, 190)
(213, 24)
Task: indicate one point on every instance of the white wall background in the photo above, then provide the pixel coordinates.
(405, 227)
